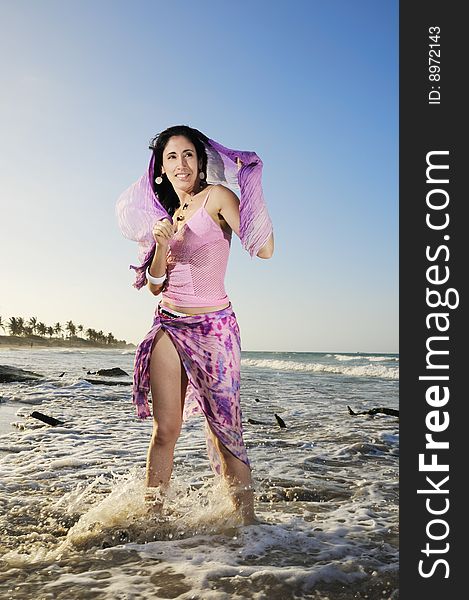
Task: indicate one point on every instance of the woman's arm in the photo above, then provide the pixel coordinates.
(162, 232)
(158, 268)
(268, 248)
(228, 207)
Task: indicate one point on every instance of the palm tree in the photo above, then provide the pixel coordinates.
(32, 323)
(57, 328)
(20, 322)
(16, 326)
(80, 328)
(91, 334)
(41, 328)
(71, 328)
(13, 326)
(110, 339)
(2, 325)
(50, 331)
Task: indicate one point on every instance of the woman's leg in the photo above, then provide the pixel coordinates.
(238, 477)
(168, 382)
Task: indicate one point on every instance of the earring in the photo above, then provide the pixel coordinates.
(201, 175)
(159, 180)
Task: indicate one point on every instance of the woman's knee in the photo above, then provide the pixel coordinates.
(165, 432)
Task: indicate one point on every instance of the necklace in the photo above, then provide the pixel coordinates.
(185, 206)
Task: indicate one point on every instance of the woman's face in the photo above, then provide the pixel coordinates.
(180, 163)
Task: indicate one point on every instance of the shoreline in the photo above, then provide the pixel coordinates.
(36, 341)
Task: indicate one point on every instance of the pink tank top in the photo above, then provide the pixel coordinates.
(196, 262)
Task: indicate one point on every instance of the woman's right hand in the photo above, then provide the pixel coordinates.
(163, 232)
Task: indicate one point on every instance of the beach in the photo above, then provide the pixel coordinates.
(74, 524)
(37, 341)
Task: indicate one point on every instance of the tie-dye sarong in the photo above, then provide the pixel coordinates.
(209, 346)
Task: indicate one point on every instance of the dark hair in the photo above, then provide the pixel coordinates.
(168, 197)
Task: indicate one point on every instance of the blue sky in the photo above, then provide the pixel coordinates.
(311, 86)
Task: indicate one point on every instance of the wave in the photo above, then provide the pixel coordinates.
(347, 357)
(343, 357)
(369, 370)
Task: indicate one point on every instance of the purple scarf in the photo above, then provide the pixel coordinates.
(138, 208)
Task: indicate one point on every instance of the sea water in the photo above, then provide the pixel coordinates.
(73, 523)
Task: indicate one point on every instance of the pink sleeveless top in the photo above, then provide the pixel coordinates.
(196, 262)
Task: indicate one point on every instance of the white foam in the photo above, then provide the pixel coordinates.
(345, 357)
(355, 371)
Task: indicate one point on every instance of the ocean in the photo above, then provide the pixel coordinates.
(73, 524)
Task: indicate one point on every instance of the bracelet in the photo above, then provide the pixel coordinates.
(155, 280)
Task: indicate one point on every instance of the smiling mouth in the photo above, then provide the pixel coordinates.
(183, 176)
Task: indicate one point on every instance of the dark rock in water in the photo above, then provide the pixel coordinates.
(280, 421)
(106, 382)
(373, 411)
(9, 374)
(46, 418)
(115, 372)
(256, 400)
(62, 374)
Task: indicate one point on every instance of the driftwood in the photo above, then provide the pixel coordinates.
(106, 382)
(280, 422)
(254, 422)
(46, 418)
(373, 411)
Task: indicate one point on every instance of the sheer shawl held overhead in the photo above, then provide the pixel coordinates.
(138, 207)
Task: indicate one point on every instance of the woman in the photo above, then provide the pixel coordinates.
(190, 359)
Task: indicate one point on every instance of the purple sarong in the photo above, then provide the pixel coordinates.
(209, 346)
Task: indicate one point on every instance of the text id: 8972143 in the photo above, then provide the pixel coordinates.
(434, 69)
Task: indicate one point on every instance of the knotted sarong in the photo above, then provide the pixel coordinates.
(209, 346)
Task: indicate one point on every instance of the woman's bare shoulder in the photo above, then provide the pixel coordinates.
(222, 194)
(223, 207)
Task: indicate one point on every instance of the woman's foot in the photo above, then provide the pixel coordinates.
(250, 519)
(243, 500)
(255, 520)
(153, 501)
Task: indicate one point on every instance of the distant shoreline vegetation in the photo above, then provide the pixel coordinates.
(32, 332)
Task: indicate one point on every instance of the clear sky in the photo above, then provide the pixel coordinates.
(311, 86)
